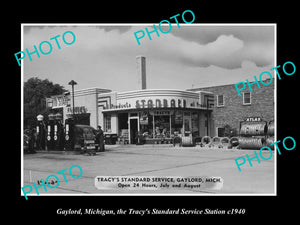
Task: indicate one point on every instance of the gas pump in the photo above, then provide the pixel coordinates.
(58, 132)
(41, 133)
(50, 132)
(69, 133)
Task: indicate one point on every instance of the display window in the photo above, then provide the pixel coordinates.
(159, 124)
(168, 123)
(162, 126)
(146, 124)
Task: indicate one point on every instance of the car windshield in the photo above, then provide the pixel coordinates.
(88, 131)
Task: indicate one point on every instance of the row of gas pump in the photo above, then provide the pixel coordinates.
(52, 134)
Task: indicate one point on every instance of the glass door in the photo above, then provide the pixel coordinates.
(187, 122)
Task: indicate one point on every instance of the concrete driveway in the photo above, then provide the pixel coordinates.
(152, 160)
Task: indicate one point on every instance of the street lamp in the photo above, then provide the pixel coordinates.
(72, 82)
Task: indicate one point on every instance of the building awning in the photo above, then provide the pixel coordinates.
(126, 110)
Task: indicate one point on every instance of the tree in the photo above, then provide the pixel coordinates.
(35, 93)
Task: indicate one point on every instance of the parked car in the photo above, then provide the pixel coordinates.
(26, 142)
(84, 137)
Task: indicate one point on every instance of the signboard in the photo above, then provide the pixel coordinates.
(253, 119)
(160, 99)
(58, 101)
(161, 112)
(160, 103)
(157, 183)
(77, 110)
(118, 106)
(144, 118)
(49, 102)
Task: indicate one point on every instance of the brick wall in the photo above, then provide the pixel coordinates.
(233, 111)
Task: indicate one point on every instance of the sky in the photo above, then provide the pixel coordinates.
(194, 55)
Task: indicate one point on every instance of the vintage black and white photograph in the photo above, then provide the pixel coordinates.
(149, 109)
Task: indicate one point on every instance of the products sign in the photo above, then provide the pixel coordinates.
(118, 106)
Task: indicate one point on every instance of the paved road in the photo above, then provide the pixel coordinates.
(152, 161)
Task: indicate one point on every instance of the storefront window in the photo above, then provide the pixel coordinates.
(162, 126)
(168, 123)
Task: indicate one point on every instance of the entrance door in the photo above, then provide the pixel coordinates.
(187, 122)
(133, 130)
